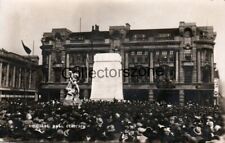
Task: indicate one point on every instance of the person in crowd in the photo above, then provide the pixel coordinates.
(125, 121)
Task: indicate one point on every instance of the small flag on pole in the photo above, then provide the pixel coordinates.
(28, 50)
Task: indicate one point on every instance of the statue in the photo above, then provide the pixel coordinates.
(73, 90)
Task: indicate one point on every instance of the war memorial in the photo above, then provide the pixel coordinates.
(121, 85)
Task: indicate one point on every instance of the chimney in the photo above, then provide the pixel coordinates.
(127, 26)
(96, 27)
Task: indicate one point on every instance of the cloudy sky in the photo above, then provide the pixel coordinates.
(27, 19)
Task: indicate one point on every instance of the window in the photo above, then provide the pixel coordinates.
(57, 75)
(187, 33)
(206, 73)
(171, 56)
(140, 76)
(77, 59)
(188, 55)
(4, 72)
(17, 78)
(91, 57)
(139, 53)
(33, 83)
(10, 76)
(187, 36)
(139, 57)
(164, 36)
(26, 78)
(145, 57)
(46, 59)
(164, 56)
(208, 56)
(58, 58)
(132, 57)
(139, 37)
(156, 57)
(188, 75)
(133, 79)
(172, 73)
(143, 75)
(22, 82)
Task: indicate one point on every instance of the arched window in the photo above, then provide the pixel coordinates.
(206, 73)
(187, 32)
(187, 36)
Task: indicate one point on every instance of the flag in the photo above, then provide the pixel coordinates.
(28, 50)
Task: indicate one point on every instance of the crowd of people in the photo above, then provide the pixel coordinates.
(137, 121)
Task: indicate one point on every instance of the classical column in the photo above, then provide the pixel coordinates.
(30, 82)
(199, 66)
(87, 68)
(194, 55)
(14, 76)
(123, 60)
(212, 67)
(0, 74)
(67, 65)
(126, 79)
(19, 82)
(34, 75)
(151, 67)
(177, 67)
(26, 78)
(49, 68)
(181, 69)
(7, 76)
(181, 97)
(151, 95)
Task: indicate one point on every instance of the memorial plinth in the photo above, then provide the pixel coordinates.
(107, 77)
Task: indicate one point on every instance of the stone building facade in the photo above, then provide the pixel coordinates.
(17, 76)
(185, 55)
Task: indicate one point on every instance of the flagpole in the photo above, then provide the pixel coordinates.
(80, 24)
(33, 48)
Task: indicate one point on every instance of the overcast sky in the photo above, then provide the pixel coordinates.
(27, 19)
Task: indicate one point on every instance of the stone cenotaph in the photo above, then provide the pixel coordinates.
(107, 76)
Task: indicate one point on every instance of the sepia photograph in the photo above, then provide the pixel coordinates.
(144, 71)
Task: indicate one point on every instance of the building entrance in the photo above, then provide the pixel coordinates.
(167, 96)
